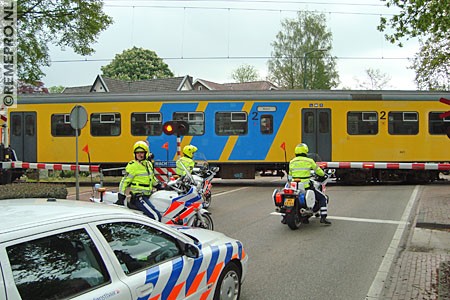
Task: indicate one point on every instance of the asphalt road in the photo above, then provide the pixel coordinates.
(317, 261)
(340, 261)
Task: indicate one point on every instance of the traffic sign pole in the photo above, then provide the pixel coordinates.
(78, 119)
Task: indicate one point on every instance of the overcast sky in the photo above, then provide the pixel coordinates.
(210, 39)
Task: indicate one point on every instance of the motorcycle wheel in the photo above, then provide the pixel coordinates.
(207, 224)
(207, 201)
(293, 221)
(229, 283)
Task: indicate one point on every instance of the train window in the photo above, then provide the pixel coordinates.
(324, 124)
(405, 123)
(231, 123)
(362, 122)
(146, 124)
(30, 125)
(16, 124)
(266, 124)
(105, 124)
(195, 120)
(60, 124)
(308, 122)
(436, 125)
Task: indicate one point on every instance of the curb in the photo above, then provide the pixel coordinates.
(437, 226)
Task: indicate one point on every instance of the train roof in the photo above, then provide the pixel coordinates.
(274, 95)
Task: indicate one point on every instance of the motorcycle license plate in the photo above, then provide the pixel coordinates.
(289, 201)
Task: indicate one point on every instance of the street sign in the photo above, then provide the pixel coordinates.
(78, 117)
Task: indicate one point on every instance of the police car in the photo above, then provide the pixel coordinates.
(58, 249)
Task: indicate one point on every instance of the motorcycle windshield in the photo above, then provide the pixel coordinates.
(200, 160)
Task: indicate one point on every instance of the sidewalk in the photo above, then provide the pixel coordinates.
(422, 269)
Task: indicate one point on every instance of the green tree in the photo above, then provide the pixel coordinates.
(137, 64)
(417, 18)
(301, 54)
(65, 23)
(56, 89)
(428, 21)
(432, 65)
(376, 80)
(245, 73)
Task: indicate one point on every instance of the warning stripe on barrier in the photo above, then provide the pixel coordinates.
(385, 165)
(162, 173)
(42, 166)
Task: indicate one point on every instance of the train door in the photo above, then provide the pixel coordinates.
(316, 131)
(23, 137)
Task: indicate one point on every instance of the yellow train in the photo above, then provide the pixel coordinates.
(242, 132)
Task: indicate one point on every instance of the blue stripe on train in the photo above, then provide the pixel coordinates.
(212, 145)
(261, 142)
(156, 142)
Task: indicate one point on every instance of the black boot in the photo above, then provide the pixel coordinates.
(324, 220)
(283, 220)
(120, 199)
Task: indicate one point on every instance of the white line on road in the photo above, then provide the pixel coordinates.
(231, 191)
(367, 220)
(381, 221)
(383, 271)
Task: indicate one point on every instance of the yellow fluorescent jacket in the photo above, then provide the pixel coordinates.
(300, 167)
(139, 176)
(187, 162)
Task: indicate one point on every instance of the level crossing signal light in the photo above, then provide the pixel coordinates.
(177, 128)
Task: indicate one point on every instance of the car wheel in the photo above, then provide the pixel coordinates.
(229, 284)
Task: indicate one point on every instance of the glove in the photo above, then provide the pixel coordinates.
(121, 199)
(159, 186)
(322, 178)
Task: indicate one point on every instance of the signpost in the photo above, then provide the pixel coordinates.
(78, 119)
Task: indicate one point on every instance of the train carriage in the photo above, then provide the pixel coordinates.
(242, 132)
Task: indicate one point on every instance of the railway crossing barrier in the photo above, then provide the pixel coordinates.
(161, 172)
(43, 166)
(164, 169)
(385, 165)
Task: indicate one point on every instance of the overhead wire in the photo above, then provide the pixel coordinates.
(134, 5)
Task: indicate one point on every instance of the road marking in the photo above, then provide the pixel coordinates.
(381, 221)
(368, 220)
(383, 271)
(230, 191)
